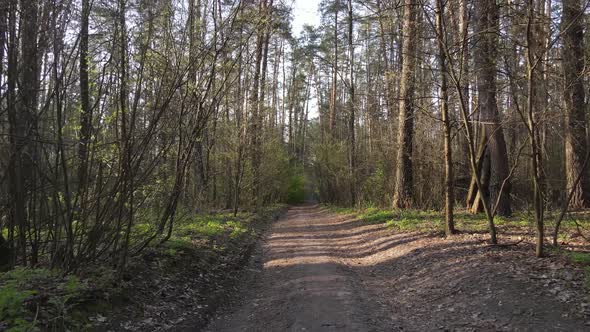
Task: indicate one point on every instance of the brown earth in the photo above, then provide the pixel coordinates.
(317, 271)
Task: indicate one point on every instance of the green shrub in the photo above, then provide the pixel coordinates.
(296, 191)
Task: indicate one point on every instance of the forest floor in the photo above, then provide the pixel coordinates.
(322, 271)
(174, 285)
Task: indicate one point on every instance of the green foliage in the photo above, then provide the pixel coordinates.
(11, 307)
(340, 210)
(22, 276)
(178, 243)
(330, 167)
(426, 220)
(208, 226)
(211, 227)
(203, 228)
(580, 257)
(21, 283)
(587, 277)
(237, 228)
(374, 189)
(296, 191)
(376, 216)
(274, 171)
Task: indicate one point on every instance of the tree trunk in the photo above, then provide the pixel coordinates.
(334, 92)
(485, 55)
(86, 111)
(23, 120)
(126, 200)
(5, 250)
(444, 107)
(351, 106)
(532, 61)
(404, 179)
(575, 105)
(256, 117)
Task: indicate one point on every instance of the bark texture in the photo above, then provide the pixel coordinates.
(404, 178)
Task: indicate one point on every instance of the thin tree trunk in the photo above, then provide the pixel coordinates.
(351, 109)
(86, 110)
(334, 93)
(531, 63)
(444, 107)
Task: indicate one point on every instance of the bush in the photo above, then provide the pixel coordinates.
(296, 191)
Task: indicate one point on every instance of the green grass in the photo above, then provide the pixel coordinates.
(375, 216)
(68, 300)
(580, 257)
(340, 209)
(19, 284)
(429, 220)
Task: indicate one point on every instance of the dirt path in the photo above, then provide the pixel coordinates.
(322, 272)
(304, 285)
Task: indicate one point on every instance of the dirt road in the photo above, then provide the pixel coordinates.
(322, 272)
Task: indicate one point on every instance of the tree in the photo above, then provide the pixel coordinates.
(574, 103)
(256, 131)
(494, 165)
(86, 110)
(334, 93)
(444, 108)
(351, 108)
(404, 178)
(533, 57)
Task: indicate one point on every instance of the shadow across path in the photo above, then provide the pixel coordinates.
(323, 272)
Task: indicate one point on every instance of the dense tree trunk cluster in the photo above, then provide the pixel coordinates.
(457, 102)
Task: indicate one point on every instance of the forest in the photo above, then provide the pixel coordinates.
(139, 137)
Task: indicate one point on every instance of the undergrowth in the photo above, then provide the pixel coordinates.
(410, 220)
(37, 299)
(430, 220)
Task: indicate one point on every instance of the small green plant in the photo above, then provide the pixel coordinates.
(587, 277)
(11, 307)
(340, 210)
(71, 288)
(580, 257)
(14, 291)
(178, 243)
(170, 252)
(237, 228)
(375, 216)
(22, 276)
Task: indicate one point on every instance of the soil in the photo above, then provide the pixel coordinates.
(317, 271)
